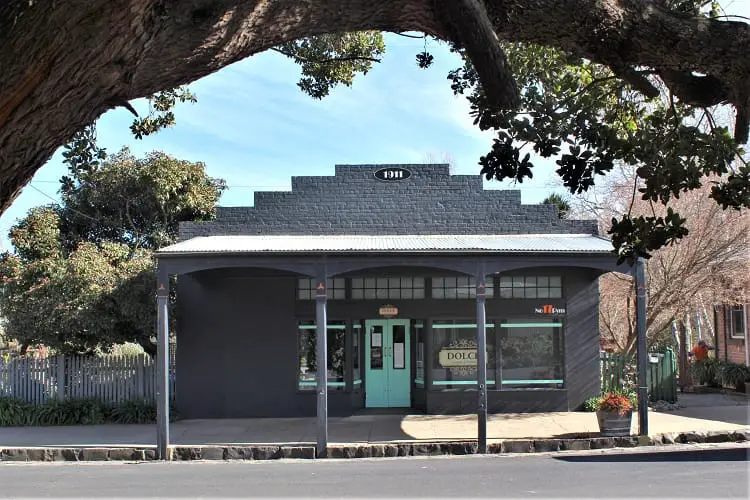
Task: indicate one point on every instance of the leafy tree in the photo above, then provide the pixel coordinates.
(82, 275)
(136, 202)
(590, 83)
(582, 114)
(563, 207)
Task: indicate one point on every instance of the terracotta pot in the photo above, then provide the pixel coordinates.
(612, 423)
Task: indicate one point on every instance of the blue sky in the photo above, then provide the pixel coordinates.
(254, 128)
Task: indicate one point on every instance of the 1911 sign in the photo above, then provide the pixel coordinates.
(392, 174)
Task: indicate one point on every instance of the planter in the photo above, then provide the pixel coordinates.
(612, 423)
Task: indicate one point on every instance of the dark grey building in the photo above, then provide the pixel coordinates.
(402, 262)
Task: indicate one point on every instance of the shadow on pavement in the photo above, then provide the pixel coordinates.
(709, 455)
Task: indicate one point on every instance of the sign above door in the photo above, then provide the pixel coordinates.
(388, 311)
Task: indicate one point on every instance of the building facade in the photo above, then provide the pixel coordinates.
(730, 327)
(402, 259)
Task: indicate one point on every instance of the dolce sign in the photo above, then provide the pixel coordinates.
(392, 174)
(549, 309)
(452, 358)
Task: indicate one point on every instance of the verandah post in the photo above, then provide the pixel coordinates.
(640, 299)
(162, 363)
(321, 358)
(481, 361)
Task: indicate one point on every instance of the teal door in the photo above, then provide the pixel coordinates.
(387, 367)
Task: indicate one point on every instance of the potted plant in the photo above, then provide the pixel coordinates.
(615, 413)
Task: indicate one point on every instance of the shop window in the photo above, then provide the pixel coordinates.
(336, 288)
(418, 328)
(530, 287)
(531, 353)
(307, 367)
(459, 287)
(454, 351)
(739, 323)
(395, 287)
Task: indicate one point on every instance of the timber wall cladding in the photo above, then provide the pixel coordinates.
(430, 201)
(110, 379)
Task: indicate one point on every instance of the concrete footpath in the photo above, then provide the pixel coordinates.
(704, 418)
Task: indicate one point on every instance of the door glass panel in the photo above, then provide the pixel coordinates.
(399, 347)
(376, 347)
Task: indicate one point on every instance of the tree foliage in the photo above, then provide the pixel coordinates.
(589, 107)
(589, 120)
(330, 60)
(562, 204)
(82, 276)
(138, 202)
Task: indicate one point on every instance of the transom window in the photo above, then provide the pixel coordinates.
(530, 287)
(336, 288)
(459, 287)
(395, 287)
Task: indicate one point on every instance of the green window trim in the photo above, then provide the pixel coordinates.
(530, 325)
(445, 326)
(328, 327)
(512, 382)
(459, 382)
(315, 384)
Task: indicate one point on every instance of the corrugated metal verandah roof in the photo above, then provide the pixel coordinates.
(357, 244)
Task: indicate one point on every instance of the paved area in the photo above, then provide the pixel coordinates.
(685, 471)
(701, 413)
(726, 407)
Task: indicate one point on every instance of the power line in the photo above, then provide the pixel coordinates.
(57, 202)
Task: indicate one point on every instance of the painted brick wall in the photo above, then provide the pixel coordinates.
(353, 201)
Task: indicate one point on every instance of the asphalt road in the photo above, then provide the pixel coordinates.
(707, 472)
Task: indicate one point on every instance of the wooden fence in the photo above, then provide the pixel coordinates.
(110, 379)
(619, 372)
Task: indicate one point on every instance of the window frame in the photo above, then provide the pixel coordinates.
(558, 323)
(732, 311)
(525, 279)
(470, 288)
(381, 287)
(459, 385)
(334, 386)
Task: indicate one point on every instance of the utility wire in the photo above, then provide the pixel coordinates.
(57, 202)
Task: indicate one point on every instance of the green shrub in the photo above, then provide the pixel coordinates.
(592, 404)
(133, 412)
(734, 375)
(708, 371)
(13, 412)
(126, 349)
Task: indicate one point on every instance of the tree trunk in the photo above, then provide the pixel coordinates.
(684, 362)
(65, 63)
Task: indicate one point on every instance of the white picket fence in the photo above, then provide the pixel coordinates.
(111, 379)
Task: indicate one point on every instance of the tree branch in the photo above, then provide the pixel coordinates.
(108, 51)
(325, 61)
(467, 23)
